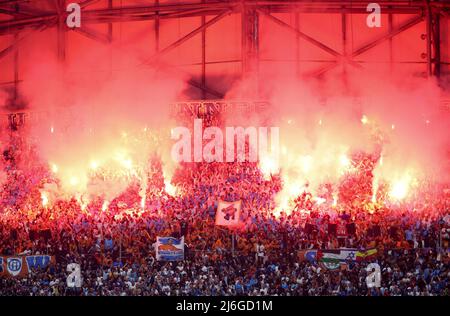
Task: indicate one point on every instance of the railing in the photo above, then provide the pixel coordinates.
(212, 107)
(193, 108)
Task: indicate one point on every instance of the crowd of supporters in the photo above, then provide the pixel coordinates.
(115, 246)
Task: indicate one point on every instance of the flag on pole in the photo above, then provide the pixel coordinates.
(228, 213)
(169, 248)
(307, 255)
(13, 266)
(332, 259)
(366, 254)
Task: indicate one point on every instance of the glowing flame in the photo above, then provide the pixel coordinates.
(44, 199)
(118, 162)
(335, 200)
(127, 163)
(291, 189)
(319, 200)
(74, 181)
(399, 189)
(93, 165)
(306, 162)
(374, 189)
(170, 189)
(105, 205)
(83, 202)
(364, 120)
(295, 189)
(344, 161)
(143, 202)
(54, 168)
(268, 166)
(122, 158)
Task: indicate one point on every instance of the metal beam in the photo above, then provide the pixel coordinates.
(16, 64)
(250, 47)
(110, 26)
(13, 26)
(61, 31)
(322, 70)
(301, 34)
(86, 3)
(429, 35)
(16, 14)
(203, 56)
(250, 40)
(206, 89)
(344, 47)
(8, 83)
(29, 17)
(437, 45)
(297, 44)
(157, 28)
(187, 37)
(390, 28)
(11, 48)
(93, 34)
(408, 24)
(148, 12)
(341, 58)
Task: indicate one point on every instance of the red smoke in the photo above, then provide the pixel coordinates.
(102, 92)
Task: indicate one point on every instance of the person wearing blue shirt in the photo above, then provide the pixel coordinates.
(238, 287)
(108, 244)
(409, 235)
(250, 283)
(426, 274)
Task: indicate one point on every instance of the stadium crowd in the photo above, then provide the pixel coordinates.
(115, 246)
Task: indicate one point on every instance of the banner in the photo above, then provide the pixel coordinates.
(332, 259)
(228, 213)
(368, 254)
(307, 255)
(13, 266)
(169, 248)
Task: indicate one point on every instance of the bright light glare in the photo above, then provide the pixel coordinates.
(364, 120)
(399, 190)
